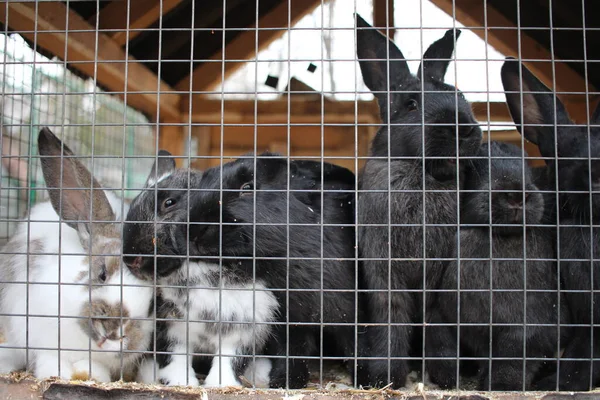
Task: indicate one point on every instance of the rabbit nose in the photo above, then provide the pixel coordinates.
(516, 200)
(133, 262)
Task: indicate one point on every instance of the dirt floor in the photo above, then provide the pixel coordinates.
(21, 386)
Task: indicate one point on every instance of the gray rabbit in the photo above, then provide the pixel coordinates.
(498, 254)
(571, 154)
(410, 182)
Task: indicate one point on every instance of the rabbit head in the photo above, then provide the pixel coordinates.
(542, 118)
(156, 221)
(111, 301)
(515, 199)
(233, 210)
(426, 116)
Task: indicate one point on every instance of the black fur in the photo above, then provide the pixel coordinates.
(447, 115)
(225, 229)
(543, 120)
(503, 301)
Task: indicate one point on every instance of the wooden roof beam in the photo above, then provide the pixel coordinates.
(209, 75)
(142, 14)
(45, 24)
(472, 14)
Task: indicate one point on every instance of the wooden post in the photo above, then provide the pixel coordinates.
(202, 133)
(171, 137)
(578, 109)
(383, 16)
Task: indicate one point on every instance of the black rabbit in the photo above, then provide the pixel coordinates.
(542, 118)
(240, 221)
(497, 255)
(410, 183)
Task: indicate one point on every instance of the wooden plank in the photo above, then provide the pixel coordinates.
(309, 137)
(276, 111)
(578, 107)
(496, 112)
(171, 137)
(472, 14)
(204, 137)
(383, 16)
(243, 47)
(34, 21)
(308, 110)
(142, 14)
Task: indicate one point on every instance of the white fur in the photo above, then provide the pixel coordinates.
(245, 303)
(48, 303)
(151, 181)
(257, 373)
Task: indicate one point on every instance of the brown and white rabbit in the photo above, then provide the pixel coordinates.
(222, 239)
(68, 306)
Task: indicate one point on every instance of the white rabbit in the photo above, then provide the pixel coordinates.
(67, 306)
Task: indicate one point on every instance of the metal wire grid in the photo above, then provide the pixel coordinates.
(120, 152)
(51, 96)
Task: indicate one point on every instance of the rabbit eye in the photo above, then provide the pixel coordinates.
(412, 105)
(102, 276)
(169, 203)
(247, 189)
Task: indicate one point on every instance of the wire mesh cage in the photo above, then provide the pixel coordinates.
(370, 195)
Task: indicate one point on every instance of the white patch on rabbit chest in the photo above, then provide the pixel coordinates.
(221, 315)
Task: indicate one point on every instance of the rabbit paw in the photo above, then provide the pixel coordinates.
(175, 374)
(258, 372)
(81, 371)
(47, 365)
(221, 373)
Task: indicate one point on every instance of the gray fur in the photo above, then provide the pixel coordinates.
(414, 158)
(505, 299)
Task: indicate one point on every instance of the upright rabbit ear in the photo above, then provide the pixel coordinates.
(72, 188)
(162, 167)
(373, 51)
(537, 108)
(438, 56)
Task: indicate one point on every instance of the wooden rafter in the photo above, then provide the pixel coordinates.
(480, 14)
(45, 24)
(243, 47)
(142, 14)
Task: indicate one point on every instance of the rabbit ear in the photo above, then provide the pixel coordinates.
(537, 107)
(162, 167)
(438, 56)
(70, 185)
(373, 51)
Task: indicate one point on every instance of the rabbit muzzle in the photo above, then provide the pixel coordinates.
(146, 268)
